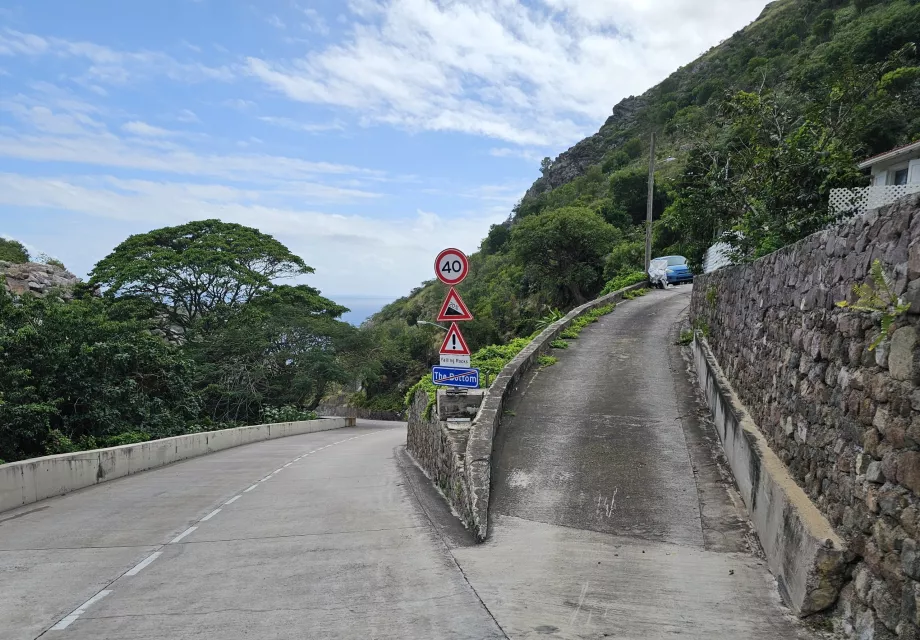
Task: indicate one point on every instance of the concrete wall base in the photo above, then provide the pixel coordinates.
(807, 557)
(29, 481)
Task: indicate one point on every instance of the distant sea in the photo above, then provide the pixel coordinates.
(362, 307)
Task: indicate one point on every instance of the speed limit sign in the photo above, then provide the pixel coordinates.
(451, 266)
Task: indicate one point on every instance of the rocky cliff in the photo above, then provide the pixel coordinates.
(36, 278)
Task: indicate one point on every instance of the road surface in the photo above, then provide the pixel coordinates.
(332, 545)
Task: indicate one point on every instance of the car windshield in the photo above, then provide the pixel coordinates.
(675, 261)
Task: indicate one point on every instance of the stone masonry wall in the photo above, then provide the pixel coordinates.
(439, 451)
(844, 419)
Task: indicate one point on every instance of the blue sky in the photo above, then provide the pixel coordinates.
(366, 134)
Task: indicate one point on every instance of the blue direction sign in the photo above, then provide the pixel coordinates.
(452, 377)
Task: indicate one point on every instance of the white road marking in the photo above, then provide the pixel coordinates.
(143, 563)
(250, 488)
(210, 515)
(287, 465)
(67, 620)
(581, 601)
(234, 499)
(182, 535)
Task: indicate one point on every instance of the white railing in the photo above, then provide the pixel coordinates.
(843, 201)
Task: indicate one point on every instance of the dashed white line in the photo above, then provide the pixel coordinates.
(182, 535)
(210, 515)
(67, 620)
(143, 563)
(287, 465)
(235, 498)
(250, 488)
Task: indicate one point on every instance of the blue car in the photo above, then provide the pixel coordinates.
(669, 270)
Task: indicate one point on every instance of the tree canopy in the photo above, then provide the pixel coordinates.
(13, 251)
(199, 269)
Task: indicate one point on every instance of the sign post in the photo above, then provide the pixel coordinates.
(451, 267)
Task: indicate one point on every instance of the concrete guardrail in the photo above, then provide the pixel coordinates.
(29, 481)
(802, 549)
(478, 458)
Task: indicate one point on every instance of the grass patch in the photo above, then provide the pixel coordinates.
(430, 387)
(623, 281)
(578, 324)
(635, 293)
(547, 361)
(686, 337)
(559, 344)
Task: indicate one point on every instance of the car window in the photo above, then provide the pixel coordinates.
(675, 261)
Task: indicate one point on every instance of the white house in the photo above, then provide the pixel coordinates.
(895, 174)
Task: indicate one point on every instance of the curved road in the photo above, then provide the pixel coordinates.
(333, 545)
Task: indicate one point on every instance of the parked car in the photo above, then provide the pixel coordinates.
(669, 270)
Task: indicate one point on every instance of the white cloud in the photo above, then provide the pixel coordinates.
(352, 254)
(108, 65)
(307, 127)
(73, 136)
(276, 22)
(531, 155)
(530, 76)
(239, 104)
(314, 21)
(143, 129)
(187, 115)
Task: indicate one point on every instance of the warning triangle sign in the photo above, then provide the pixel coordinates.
(454, 344)
(453, 308)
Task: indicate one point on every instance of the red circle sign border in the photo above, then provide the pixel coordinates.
(463, 259)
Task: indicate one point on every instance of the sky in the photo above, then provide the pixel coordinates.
(366, 135)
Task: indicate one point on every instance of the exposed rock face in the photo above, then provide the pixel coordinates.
(576, 161)
(36, 278)
(844, 419)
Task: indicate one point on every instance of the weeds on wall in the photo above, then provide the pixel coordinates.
(876, 296)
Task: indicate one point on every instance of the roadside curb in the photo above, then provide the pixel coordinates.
(28, 481)
(804, 553)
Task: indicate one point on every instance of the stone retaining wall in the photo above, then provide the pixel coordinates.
(439, 451)
(845, 420)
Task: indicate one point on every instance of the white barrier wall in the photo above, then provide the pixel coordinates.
(32, 480)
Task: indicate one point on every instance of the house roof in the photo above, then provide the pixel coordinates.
(889, 155)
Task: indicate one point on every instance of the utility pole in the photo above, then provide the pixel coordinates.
(651, 197)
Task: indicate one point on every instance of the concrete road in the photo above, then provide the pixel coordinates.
(610, 514)
(313, 536)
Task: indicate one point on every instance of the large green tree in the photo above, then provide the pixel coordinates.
(195, 274)
(283, 348)
(563, 252)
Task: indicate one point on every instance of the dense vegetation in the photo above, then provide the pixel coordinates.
(752, 137)
(192, 332)
(194, 329)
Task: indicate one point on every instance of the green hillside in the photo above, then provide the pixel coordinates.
(751, 138)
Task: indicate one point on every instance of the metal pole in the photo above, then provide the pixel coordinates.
(651, 197)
